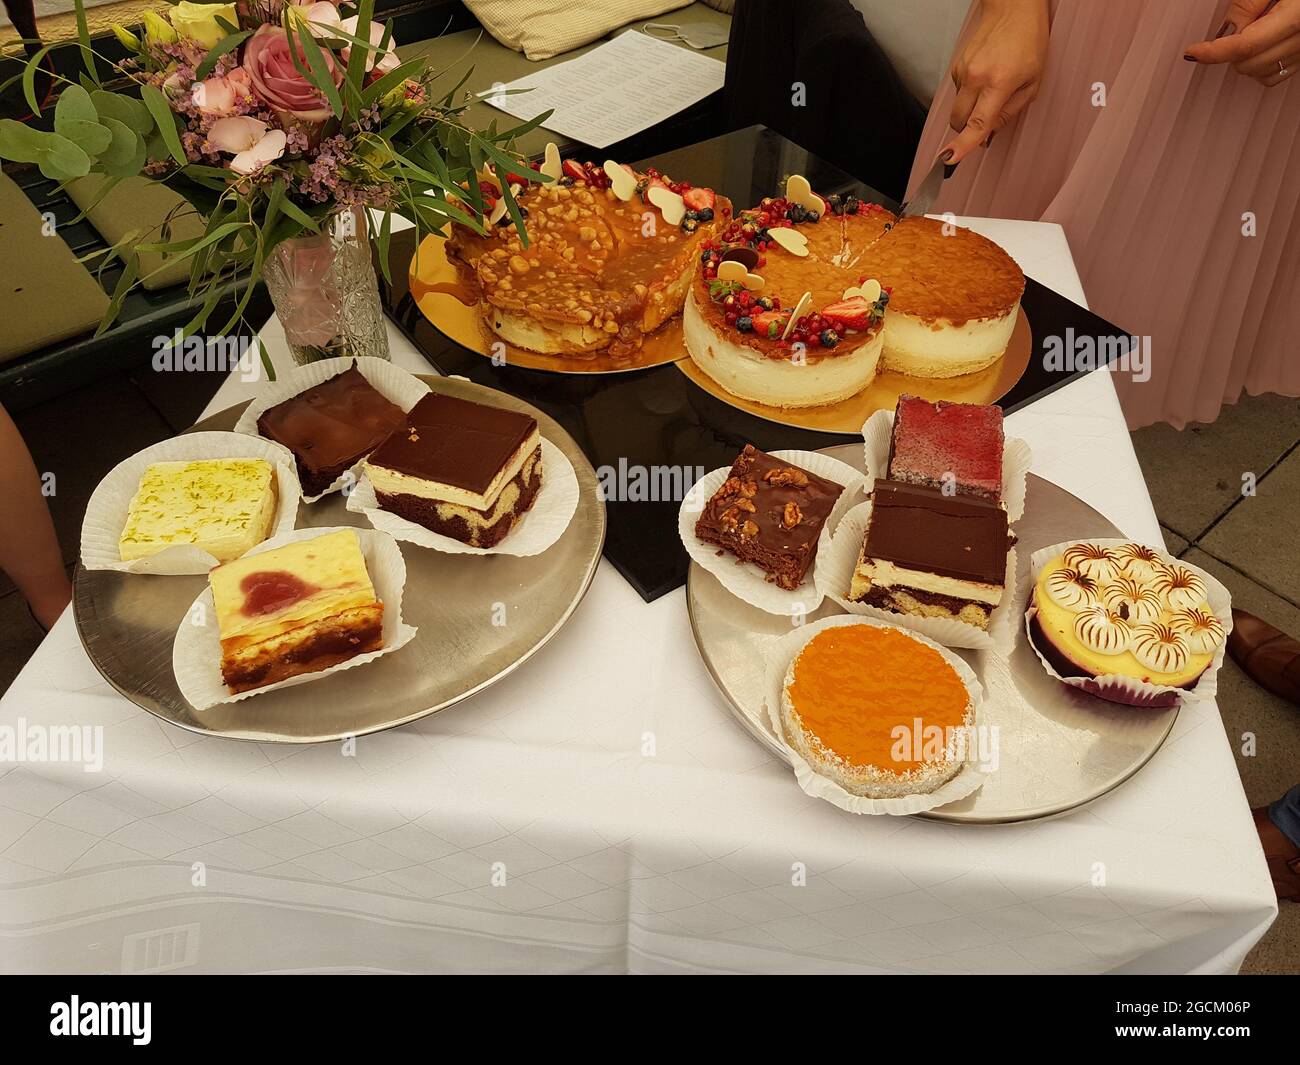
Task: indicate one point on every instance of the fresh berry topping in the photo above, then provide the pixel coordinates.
(699, 199)
(745, 323)
(829, 338)
(574, 169)
(770, 323)
(852, 313)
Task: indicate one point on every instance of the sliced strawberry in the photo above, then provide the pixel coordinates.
(574, 169)
(699, 199)
(854, 313)
(654, 182)
(764, 323)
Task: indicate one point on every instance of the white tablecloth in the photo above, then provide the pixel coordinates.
(526, 830)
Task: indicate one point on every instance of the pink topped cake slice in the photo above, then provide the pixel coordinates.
(936, 442)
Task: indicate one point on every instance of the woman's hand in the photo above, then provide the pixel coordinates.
(1259, 42)
(998, 73)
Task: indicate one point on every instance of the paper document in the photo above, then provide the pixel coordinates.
(614, 91)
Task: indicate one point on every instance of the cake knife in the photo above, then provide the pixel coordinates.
(928, 191)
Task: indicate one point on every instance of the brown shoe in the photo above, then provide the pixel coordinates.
(1266, 655)
(1283, 857)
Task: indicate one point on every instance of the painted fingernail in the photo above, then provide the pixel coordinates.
(1227, 29)
(1189, 57)
(989, 139)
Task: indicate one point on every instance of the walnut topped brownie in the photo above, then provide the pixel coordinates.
(769, 512)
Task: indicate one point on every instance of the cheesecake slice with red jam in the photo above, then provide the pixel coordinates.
(296, 609)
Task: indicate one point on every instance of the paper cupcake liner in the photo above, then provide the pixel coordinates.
(777, 662)
(835, 575)
(101, 529)
(394, 384)
(196, 651)
(538, 529)
(1115, 687)
(1017, 457)
(745, 580)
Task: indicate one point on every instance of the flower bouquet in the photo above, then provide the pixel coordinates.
(279, 123)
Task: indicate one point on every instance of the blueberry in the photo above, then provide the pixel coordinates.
(829, 338)
(706, 214)
(744, 323)
(694, 216)
(566, 181)
(690, 225)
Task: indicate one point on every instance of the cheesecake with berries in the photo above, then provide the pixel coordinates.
(607, 256)
(780, 313)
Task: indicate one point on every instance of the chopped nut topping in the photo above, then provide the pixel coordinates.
(786, 476)
(748, 531)
(791, 515)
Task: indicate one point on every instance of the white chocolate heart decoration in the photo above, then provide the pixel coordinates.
(790, 239)
(869, 290)
(499, 210)
(621, 179)
(797, 190)
(552, 166)
(670, 205)
(731, 270)
(800, 309)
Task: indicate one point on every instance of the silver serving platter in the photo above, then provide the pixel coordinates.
(1058, 747)
(127, 621)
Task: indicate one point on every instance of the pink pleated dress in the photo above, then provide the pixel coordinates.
(1158, 191)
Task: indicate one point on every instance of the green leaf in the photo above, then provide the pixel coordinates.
(126, 109)
(320, 71)
(75, 117)
(59, 158)
(123, 287)
(377, 88)
(299, 215)
(385, 231)
(187, 247)
(164, 119)
(29, 78)
(273, 202)
(125, 154)
(226, 44)
(83, 37)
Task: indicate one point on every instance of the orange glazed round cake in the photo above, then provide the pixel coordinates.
(862, 703)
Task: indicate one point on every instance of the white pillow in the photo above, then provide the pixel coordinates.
(544, 28)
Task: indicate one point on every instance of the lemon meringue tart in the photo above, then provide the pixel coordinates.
(1124, 610)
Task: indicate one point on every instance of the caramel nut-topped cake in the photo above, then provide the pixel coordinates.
(1136, 614)
(852, 689)
(833, 288)
(608, 257)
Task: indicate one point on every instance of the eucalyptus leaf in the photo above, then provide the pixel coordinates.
(75, 117)
(125, 154)
(58, 158)
(126, 109)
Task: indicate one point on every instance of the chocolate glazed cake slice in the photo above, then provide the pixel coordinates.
(930, 554)
(461, 469)
(330, 427)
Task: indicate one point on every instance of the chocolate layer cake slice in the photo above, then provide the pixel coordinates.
(932, 555)
(770, 513)
(937, 443)
(331, 427)
(462, 469)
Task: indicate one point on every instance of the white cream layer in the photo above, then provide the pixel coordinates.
(941, 349)
(777, 382)
(391, 482)
(890, 575)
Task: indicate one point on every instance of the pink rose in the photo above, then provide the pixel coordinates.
(276, 81)
(220, 95)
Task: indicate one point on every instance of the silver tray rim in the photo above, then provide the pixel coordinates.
(231, 414)
(696, 572)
